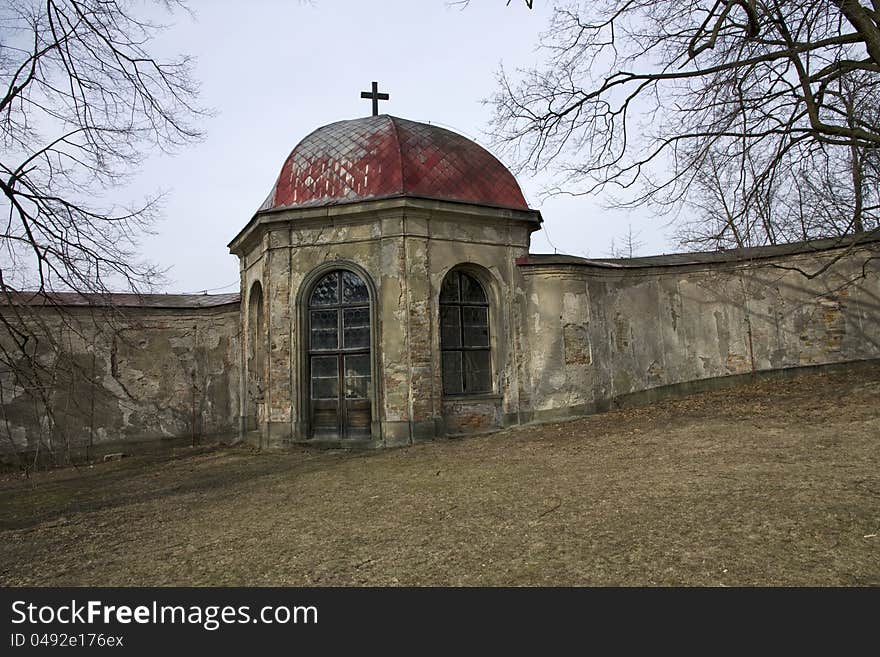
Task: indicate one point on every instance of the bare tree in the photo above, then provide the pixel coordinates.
(630, 244)
(462, 4)
(82, 102)
(758, 117)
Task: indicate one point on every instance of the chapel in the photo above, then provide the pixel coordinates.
(378, 279)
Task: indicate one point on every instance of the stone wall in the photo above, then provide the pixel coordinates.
(139, 373)
(597, 331)
(568, 336)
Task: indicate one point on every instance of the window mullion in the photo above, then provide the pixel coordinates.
(461, 372)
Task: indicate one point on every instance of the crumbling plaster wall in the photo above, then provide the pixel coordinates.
(488, 252)
(404, 249)
(135, 374)
(592, 334)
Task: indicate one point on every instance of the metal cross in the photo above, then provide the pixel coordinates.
(375, 96)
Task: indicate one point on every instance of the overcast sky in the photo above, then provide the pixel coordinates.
(276, 70)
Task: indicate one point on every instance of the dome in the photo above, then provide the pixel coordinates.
(385, 157)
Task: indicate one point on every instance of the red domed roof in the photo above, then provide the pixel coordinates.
(384, 156)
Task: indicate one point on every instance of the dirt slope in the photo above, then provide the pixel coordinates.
(772, 483)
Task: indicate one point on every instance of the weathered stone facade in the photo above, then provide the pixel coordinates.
(565, 336)
(568, 336)
(599, 331)
(403, 248)
(125, 374)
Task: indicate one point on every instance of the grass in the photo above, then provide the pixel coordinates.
(773, 483)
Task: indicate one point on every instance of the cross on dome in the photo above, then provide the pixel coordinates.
(375, 96)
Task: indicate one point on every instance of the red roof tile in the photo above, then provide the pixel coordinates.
(384, 156)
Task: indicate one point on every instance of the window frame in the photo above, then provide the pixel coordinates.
(341, 351)
(460, 305)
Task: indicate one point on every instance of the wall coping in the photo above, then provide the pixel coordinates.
(702, 258)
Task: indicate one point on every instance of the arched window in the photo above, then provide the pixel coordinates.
(339, 357)
(256, 359)
(464, 335)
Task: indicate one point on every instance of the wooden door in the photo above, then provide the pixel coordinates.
(340, 382)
